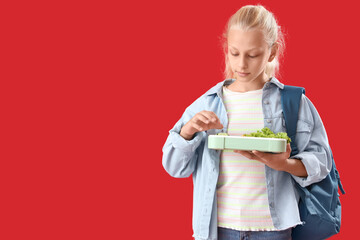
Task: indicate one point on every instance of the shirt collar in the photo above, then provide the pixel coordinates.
(218, 87)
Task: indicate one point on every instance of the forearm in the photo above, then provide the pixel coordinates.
(187, 135)
(179, 158)
(295, 167)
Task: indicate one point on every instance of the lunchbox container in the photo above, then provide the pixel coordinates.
(224, 142)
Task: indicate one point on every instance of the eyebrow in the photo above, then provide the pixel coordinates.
(254, 48)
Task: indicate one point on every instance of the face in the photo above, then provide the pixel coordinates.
(248, 54)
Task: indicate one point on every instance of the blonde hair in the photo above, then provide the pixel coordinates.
(251, 17)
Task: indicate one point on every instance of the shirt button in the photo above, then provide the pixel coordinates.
(266, 102)
(268, 121)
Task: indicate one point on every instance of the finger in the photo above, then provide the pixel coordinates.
(246, 154)
(209, 115)
(219, 126)
(205, 122)
(261, 155)
(215, 119)
(202, 118)
(197, 127)
(288, 148)
(241, 151)
(252, 156)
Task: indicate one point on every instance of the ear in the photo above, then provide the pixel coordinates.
(274, 50)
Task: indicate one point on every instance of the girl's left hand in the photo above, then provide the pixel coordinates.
(277, 161)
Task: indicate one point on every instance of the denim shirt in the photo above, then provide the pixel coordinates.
(182, 158)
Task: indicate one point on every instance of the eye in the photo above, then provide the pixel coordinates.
(253, 56)
(234, 54)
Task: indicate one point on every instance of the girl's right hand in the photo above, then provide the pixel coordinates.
(202, 121)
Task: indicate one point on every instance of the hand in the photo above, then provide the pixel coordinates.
(202, 121)
(277, 161)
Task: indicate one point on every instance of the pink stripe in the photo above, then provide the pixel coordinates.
(242, 113)
(240, 123)
(260, 188)
(223, 176)
(239, 165)
(244, 104)
(246, 199)
(237, 209)
(242, 220)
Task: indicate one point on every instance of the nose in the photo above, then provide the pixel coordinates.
(242, 63)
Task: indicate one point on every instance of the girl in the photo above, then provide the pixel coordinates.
(246, 194)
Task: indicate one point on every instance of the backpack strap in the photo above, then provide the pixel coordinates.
(337, 175)
(290, 103)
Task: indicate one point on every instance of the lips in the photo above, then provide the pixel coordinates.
(242, 74)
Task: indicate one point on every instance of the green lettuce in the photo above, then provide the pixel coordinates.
(267, 133)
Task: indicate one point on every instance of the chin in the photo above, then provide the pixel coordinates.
(244, 79)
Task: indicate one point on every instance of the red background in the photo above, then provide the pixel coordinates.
(90, 89)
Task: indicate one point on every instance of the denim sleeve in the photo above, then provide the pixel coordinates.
(312, 142)
(180, 155)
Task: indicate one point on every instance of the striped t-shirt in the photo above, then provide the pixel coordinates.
(241, 190)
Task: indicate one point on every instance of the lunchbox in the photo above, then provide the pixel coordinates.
(225, 142)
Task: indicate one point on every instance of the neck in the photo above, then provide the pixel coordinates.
(241, 86)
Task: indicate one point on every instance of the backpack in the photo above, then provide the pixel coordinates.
(319, 204)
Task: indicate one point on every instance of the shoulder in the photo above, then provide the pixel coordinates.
(211, 94)
(215, 89)
(308, 112)
(209, 101)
